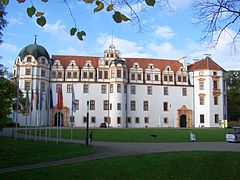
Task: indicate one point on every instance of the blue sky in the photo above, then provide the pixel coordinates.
(165, 34)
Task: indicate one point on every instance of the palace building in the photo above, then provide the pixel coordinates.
(120, 91)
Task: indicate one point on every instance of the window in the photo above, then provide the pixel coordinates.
(69, 88)
(201, 99)
(93, 119)
(184, 78)
(148, 77)
(132, 76)
(106, 119)
(145, 105)
(77, 104)
(133, 89)
(42, 72)
(149, 90)
(165, 106)
(215, 100)
(201, 118)
(201, 85)
(165, 120)
(91, 75)
(29, 59)
(133, 106)
(156, 77)
(105, 74)
(119, 88)
(146, 120)
(111, 88)
(201, 73)
(184, 91)
(58, 86)
(92, 105)
(170, 78)
(28, 71)
(105, 105)
(110, 106)
(139, 76)
(43, 61)
(215, 84)
(112, 73)
(27, 85)
(125, 88)
(53, 74)
(43, 86)
(165, 91)
(100, 74)
(137, 120)
(214, 73)
(85, 88)
(69, 74)
(84, 119)
(59, 74)
(84, 75)
(119, 120)
(74, 74)
(119, 72)
(119, 106)
(179, 79)
(103, 89)
(216, 118)
(124, 74)
(165, 77)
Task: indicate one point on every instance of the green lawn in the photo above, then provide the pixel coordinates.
(143, 134)
(177, 165)
(18, 152)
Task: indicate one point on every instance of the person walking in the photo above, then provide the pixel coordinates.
(91, 136)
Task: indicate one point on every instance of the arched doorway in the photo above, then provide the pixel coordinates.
(58, 119)
(183, 121)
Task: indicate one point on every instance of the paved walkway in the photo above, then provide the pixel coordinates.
(113, 149)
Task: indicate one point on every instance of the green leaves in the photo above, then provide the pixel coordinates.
(110, 7)
(73, 30)
(99, 7)
(88, 1)
(119, 17)
(80, 35)
(150, 2)
(21, 1)
(5, 2)
(31, 11)
(41, 21)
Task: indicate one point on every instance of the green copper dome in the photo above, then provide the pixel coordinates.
(35, 50)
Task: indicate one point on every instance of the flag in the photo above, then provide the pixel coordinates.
(51, 98)
(37, 98)
(26, 105)
(41, 98)
(60, 98)
(47, 100)
(73, 100)
(32, 97)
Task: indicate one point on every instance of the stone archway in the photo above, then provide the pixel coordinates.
(64, 112)
(184, 118)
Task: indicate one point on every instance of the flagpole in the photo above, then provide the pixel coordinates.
(40, 111)
(30, 130)
(26, 108)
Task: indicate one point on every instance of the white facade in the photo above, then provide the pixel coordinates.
(124, 92)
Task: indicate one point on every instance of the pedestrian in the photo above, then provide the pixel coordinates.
(91, 136)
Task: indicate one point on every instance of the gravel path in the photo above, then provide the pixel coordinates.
(113, 149)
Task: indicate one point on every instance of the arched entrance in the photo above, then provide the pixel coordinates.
(183, 121)
(58, 119)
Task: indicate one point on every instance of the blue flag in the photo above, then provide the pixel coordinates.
(41, 98)
(51, 99)
(26, 105)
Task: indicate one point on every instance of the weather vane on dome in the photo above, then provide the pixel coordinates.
(35, 42)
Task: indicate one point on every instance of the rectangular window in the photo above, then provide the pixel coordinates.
(110, 106)
(105, 105)
(165, 120)
(100, 75)
(148, 77)
(146, 120)
(27, 85)
(59, 74)
(215, 84)
(149, 90)
(165, 77)
(170, 78)
(133, 89)
(119, 73)
(145, 105)
(214, 73)
(84, 119)
(179, 78)
(27, 71)
(85, 88)
(184, 91)
(105, 74)
(119, 106)
(129, 120)
(92, 105)
(43, 86)
(215, 100)
(106, 119)
(119, 87)
(118, 120)
(201, 99)
(111, 88)
(112, 73)
(201, 118)
(74, 74)
(43, 61)
(201, 85)
(139, 76)
(133, 105)
(29, 59)
(165, 91)
(137, 120)
(132, 76)
(69, 88)
(69, 74)
(42, 72)
(91, 75)
(53, 74)
(77, 104)
(184, 78)
(103, 89)
(216, 118)
(156, 77)
(165, 106)
(84, 75)
(93, 119)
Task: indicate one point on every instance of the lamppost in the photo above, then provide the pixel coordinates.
(87, 123)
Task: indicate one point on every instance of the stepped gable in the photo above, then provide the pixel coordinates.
(158, 63)
(203, 64)
(80, 60)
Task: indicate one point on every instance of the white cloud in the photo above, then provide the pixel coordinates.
(8, 47)
(179, 4)
(69, 51)
(164, 32)
(15, 21)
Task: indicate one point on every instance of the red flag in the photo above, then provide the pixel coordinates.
(32, 97)
(60, 98)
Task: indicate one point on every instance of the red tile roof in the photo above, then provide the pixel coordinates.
(143, 62)
(204, 64)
